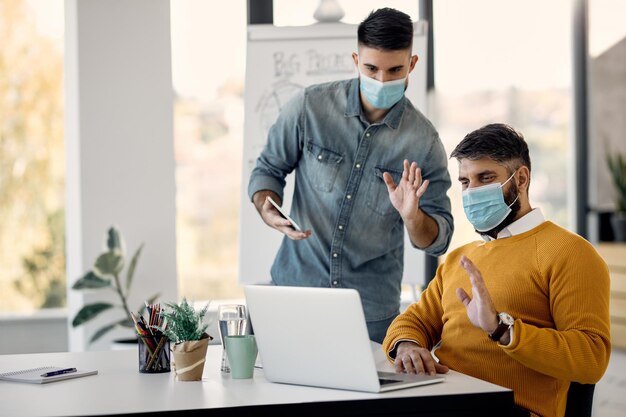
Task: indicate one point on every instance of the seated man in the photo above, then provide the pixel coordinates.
(527, 307)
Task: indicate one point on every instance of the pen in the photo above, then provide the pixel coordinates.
(60, 372)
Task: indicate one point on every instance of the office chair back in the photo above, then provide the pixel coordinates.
(579, 400)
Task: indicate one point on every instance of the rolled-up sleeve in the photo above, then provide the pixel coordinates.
(435, 201)
(442, 241)
(282, 151)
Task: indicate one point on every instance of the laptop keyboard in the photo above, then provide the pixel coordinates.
(384, 381)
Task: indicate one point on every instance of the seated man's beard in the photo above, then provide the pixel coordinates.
(509, 197)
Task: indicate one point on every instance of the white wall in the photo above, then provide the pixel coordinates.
(39, 332)
(119, 148)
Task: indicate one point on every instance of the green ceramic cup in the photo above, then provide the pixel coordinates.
(241, 352)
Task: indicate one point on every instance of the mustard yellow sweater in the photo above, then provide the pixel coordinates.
(553, 283)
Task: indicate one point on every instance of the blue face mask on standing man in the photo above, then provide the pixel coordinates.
(485, 207)
(382, 95)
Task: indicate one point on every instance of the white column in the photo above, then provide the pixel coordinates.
(119, 149)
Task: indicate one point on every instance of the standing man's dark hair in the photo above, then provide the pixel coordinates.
(386, 29)
(498, 142)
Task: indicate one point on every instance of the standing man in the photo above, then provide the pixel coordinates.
(525, 307)
(350, 143)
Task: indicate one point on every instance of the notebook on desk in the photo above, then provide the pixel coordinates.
(318, 337)
(44, 375)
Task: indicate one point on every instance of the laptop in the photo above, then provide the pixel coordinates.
(318, 337)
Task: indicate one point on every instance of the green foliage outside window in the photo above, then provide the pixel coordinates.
(31, 163)
(43, 280)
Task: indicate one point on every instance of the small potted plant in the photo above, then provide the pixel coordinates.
(185, 328)
(617, 167)
(106, 274)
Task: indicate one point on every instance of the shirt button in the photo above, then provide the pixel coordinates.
(367, 134)
(319, 157)
(358, 165)
(335, 255)
(334, 282)
(340, 227)
(348, 196)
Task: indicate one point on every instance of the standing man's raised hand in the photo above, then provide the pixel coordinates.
(405, 196)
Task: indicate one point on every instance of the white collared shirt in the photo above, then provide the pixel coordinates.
(525, 223)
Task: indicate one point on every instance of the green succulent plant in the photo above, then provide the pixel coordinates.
(617, 167)
(106, 274)
(183, 323)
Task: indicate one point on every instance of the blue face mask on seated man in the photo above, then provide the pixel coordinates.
(382, 95)
(485, 207)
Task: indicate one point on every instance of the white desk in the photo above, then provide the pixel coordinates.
(120, 389)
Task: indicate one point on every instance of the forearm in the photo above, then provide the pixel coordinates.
(422, 229)
(406, 327)
(573, 355)
(420, 322)
(409, 326)
(258, 199)
(435, 203)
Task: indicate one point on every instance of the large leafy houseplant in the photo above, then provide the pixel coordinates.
(106, 274)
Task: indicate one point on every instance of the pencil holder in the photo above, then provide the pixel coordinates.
(154, 354)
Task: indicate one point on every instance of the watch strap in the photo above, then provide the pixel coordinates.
(502, 327)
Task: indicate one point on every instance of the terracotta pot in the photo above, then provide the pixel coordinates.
(189, 358)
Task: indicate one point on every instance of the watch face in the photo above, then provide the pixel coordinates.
(506, 319)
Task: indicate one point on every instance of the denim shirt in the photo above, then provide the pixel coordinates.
(339, 159)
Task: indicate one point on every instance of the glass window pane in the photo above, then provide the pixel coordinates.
(32, 163)
(208, 67)
(606, 25)
(507, 61)
(607, 106)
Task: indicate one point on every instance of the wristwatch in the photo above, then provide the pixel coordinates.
(505, 321)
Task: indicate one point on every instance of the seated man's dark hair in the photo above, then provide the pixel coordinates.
(497, 141)
(387, 29)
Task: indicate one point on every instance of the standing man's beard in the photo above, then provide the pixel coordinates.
(509, 197)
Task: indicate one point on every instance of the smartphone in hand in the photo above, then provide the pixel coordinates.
(285, 215)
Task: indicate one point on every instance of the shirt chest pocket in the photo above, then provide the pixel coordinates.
(377, 195)
(322, 166)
